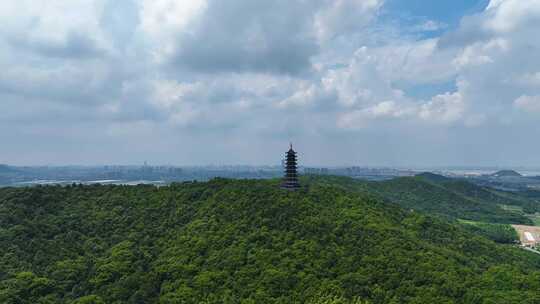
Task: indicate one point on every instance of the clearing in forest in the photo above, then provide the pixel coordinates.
(528, 235)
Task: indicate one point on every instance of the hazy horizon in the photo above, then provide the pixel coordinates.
(527, 170)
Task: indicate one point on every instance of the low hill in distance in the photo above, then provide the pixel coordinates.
(245, 241)
(434, 194)
(506, 173)
(433, 177)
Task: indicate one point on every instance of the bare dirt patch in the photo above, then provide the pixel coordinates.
(528, 235)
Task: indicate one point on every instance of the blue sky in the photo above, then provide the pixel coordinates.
(449, 12)
(351, 82)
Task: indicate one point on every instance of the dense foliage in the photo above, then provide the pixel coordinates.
(500, 233)
(531, 202)
(244, 242)
(434, 194)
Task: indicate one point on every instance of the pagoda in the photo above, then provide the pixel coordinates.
(290, 180)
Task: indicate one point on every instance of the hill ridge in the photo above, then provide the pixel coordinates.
(451, 198)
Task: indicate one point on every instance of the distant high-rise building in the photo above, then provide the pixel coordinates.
(290, 180)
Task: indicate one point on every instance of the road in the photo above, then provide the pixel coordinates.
(530, 249)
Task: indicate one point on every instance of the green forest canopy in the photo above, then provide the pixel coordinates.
(228, 241)
(437, 195)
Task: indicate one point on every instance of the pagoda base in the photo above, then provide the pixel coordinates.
(290, 186)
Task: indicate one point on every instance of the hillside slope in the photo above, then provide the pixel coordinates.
(506, 173)
(433, 194)
(244, 242)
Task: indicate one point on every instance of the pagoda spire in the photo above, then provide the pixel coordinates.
(290, 180)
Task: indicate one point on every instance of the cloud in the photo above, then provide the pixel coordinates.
(73, 45)
(481, 53)
(529, 104)
(444, 108)
(384, 110)
(429, 26)
(494, 56)
(241, 36)
(62, 29)
(211, 73)
(69, 60)
(531, 80)
(509, 15)
(342, 17)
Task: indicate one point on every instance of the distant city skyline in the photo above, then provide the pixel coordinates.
(350, 82)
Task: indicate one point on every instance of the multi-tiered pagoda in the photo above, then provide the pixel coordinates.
(290, 180)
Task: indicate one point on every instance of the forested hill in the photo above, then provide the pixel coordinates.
(435, 194)
(244, 241)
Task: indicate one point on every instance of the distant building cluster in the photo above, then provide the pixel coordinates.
(317, 171)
